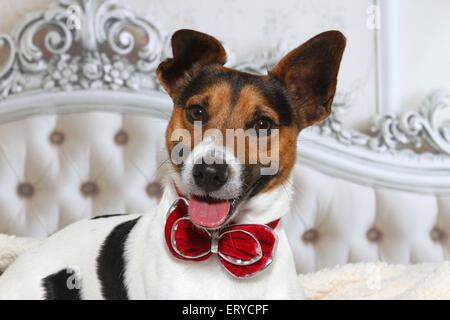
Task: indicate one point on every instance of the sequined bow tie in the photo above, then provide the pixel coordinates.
(243, 249)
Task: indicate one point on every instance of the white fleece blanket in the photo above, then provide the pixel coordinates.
(352, 281)
(11, 247)
(379, 281)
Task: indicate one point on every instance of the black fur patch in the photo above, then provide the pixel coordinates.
(206, 77)
(109, 216)
(278, 99)
(61, 286)
(111, 262)
(259, 184)
(272, 89)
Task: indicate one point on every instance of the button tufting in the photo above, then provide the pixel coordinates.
(57, 137)
(374, 235)
(438, 234)
(310, 236)
(89, 189)
(25, 190)
(121, 137)
(154, 190)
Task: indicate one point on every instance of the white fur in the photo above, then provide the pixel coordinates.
(217, 153)
(151, 271)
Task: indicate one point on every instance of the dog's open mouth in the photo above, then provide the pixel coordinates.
(208, 212)
(212, 213)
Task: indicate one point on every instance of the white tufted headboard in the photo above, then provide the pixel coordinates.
(82, 121)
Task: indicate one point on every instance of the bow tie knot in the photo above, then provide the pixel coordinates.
(244, 250)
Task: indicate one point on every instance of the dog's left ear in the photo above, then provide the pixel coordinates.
(309, 73)
(192, 50)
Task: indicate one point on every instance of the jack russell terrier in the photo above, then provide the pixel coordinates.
(215, 233)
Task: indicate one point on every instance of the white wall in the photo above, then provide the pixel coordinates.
(425, 49)
(415, 47)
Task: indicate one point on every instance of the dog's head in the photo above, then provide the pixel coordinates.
(232, 135)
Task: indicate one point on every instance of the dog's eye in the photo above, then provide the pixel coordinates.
(263, 126)
(196, 112)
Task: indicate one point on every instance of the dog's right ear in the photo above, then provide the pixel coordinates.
(191, 51)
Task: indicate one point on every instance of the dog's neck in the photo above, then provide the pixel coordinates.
(260, 209)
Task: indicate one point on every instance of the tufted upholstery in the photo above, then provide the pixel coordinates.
(56, 169)
(335, 222)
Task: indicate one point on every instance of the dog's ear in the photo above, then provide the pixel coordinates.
(191, 51)
(309, 73)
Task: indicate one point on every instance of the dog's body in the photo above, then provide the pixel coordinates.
(141, 257)
(150, 272)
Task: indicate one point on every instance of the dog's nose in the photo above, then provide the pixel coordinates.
(210, 177)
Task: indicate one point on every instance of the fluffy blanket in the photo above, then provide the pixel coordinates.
(352, 281)
(11, 247)
(379, 281)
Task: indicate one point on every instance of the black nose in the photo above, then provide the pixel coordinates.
(210, 177)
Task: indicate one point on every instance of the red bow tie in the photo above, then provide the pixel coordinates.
(244, 250)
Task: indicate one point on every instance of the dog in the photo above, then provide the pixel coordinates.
(216, 233)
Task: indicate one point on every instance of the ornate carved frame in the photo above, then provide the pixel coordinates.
(82, 55)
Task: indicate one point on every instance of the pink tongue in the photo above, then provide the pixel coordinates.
(207, 213)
